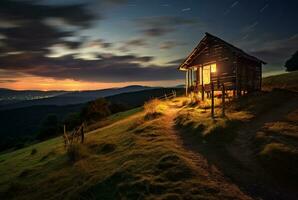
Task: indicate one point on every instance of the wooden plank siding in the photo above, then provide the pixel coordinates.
(235, 69)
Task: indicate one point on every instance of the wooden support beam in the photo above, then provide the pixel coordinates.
(202, 89)
(190, 78)
(212, 100)
(223, 100)
(186, 83)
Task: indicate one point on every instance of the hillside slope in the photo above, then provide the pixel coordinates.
(170, 150)
(287, 81)
(134, 158)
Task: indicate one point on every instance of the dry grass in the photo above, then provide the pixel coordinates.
(198, 120)
(154, 108)
(277, 147)
(126, 160)
(76, 152)
(284, 81)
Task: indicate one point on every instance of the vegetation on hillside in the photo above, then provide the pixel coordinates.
(134, 158)
(24, 126)
(286, 81)
(169, 149)
(292, 63)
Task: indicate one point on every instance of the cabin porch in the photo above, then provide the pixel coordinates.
(202, 80)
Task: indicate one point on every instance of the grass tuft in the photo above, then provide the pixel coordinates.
(76, 152)
(154, 109)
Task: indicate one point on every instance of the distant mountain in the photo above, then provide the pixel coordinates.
(8, 96)
(135, 99)
(21, 124)
(11, 99)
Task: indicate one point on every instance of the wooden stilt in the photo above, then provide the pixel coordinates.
(186, 83)
(223, 100)
(212, 100)
(203, 95)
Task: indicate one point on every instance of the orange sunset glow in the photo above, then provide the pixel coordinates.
(46, 84)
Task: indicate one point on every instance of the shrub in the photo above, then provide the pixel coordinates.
(96, 110)
(49, 127)
(292, 63)
(153, 109)
(151, 106)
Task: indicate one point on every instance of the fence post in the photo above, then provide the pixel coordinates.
(66, 141)
(82, 133)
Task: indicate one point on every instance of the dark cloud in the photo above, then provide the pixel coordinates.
(278, 51)
(34, 36)
(25, 25)
(161, 25)
(108, 68)
(23, 11)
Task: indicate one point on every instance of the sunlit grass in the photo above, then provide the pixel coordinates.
(132, 158)
(197, 117)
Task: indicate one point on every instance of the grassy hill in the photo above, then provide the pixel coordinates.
(284, 81)
(20, 126)
(132, 158)
(170, 150)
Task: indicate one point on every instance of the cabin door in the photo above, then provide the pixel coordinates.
(205, 75)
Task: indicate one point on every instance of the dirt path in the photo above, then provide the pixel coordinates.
(237, 161)
(211, 172)
(258, 181)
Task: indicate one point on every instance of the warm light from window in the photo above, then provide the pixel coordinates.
(213, 68)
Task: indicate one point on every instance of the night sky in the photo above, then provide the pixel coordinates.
(93, 44)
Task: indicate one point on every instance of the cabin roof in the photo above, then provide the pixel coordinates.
(231, 47)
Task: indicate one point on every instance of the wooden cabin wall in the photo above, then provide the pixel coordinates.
(214, 51)
(237, 73)
(248, 75)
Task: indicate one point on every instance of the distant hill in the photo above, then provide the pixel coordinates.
(23, 123)
(11, 99)
(8, 96)
(135, 99)
(168, 150)
(283, 81)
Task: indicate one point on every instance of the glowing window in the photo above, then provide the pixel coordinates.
(213, 68)
(206, 75)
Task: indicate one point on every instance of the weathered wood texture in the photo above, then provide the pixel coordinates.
(237, 70)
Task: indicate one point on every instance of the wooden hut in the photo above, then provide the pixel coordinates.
(219, 66)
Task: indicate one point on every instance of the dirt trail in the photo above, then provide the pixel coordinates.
(257, 180)
(210, 172)
(237, 161)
